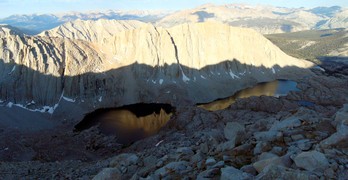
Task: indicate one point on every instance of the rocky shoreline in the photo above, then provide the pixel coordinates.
(303, 135)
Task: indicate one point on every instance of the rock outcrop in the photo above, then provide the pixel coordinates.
(186, 63)
(92, 31)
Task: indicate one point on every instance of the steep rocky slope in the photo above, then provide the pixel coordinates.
(35, 68)
(339, 20)
(313, 44)
(187, 63)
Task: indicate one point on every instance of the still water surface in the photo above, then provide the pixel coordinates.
(275, 88)
(128, 123)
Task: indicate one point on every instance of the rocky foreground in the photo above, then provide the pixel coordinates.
(303, 135)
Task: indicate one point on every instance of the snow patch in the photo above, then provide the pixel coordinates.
(185, 78)
(31, 103)
(157, 144)
(203, 77)
(100, 99)
(273, 70)
(168, 92)
(316, 67)
(13, 69)
(69, 99)
(10, 104)
(233, 75)
(44, 109)
(243, 73)
(310, 43)
(161, 81)
(153, 81)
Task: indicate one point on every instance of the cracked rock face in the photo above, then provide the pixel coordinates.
(137, 62)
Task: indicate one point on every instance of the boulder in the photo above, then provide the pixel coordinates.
(339, 139)
(208, 174)
(180, 167)
(290, 122)
(231, 173)
(185, 151)
(249, 169)
(210, 161)
(268, 136)
(311, 161)
(108, 174)
(280, 172)
(267, 160)
(234, 132)
(125, 159)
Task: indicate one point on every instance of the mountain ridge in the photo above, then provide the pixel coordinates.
(268, 19)
(78, 68)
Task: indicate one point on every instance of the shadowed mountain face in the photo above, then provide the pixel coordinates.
(188, 63)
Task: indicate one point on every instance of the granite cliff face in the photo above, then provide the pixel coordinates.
(92, 31)
(137, 63)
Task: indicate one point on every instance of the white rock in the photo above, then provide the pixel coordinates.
(286, 124)
(311, 161)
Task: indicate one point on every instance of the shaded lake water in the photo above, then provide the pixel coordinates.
(275, 88)
(128, 123)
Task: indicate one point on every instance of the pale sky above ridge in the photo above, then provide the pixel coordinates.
(11, 7)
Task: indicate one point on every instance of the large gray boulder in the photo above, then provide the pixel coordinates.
(267, 159)
(231, 173)
(234, 132)
(286, 124)
(340, 138)
(311, 161)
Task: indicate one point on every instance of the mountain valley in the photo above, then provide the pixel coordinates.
(213, 92)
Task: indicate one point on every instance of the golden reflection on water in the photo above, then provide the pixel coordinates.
(274, 88)
(128, 127)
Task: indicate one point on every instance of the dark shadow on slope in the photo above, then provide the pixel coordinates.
(334, 65)
(135, 83)
(202, 15)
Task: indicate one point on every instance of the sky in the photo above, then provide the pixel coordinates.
(11, 7)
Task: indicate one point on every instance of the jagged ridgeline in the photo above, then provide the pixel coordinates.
(109, 62)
